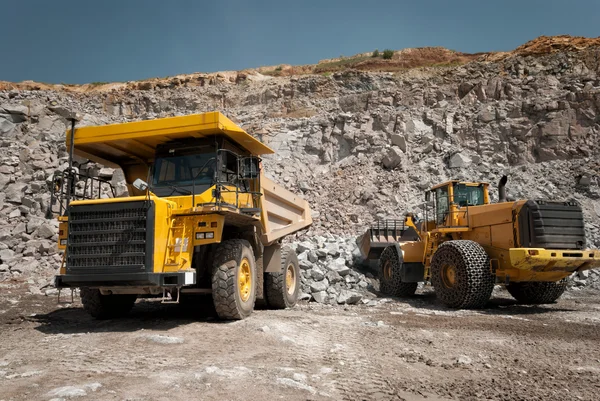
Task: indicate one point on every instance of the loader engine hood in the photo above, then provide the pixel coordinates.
(550, 225)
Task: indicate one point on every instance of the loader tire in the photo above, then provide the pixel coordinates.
(538, 292)
(234, 279)
(461, 275)
(282, 287)
(106, 306)
(390, 279)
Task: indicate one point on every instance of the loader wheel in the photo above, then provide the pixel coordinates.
(282, 287)
(106, 306)
(390, 279)
(538, 292)
(461, 274)
(234, 279)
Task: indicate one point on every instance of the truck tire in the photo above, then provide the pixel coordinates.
(106, 306)
(461, 275)
(390, 279)
(282, 287)
(537, 292)
(234, 279)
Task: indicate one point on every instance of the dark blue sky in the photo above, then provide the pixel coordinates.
(79, 41)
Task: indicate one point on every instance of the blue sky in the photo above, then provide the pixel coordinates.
(105, 40)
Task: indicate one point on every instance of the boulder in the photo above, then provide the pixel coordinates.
(399, 141)
(320, 297)
(46, 231)
(393, 158)
(318, 286)
(458, 160)
(14, 192)
(348, 297)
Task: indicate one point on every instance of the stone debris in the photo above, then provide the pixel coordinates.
(359, 146)
(161, 339)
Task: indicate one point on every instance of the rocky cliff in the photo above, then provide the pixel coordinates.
(360, 145)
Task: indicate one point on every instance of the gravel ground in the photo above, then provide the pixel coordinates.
(389, 349)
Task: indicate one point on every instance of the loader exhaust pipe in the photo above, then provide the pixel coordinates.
(502, 189)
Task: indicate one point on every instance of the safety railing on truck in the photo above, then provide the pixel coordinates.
(242, 179)
(70, 185)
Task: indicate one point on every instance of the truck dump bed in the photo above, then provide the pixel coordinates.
(286, 212)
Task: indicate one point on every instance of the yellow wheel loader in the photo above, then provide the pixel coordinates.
(466, 245)
(200, 218)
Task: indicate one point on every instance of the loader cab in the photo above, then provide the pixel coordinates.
(452, 199)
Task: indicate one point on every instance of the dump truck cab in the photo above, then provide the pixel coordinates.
(466, 244)
(201, 218)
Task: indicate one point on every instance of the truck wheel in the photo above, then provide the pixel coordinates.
(461, 274)
(106, 306)
(537, 292)
(234, 279)
(282, 287)
(390, 279)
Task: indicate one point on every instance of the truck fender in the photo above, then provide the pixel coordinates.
(409, 272)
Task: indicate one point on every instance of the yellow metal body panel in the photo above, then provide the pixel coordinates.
(547, 260)
(283, 211)
(413, 251)
(135, 142)
(63, 233)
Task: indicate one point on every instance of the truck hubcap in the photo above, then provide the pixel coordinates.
(245, 280)
(290, 279)
(449, 275)
(387, 270)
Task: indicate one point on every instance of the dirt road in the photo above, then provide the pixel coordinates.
(391, 350)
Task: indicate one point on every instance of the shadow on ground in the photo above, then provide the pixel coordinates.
(497, 305)
(146, 314)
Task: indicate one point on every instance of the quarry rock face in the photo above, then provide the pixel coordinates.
(359, 146)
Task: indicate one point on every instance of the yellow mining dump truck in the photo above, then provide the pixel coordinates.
(466, 245)
(200, 218)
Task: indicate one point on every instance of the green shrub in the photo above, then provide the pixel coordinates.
(375, 53)
(388, 54)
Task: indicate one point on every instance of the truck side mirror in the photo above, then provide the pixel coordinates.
(140, 185)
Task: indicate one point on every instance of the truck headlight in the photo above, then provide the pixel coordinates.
(199, 235)
(63, 242)
(210, 235)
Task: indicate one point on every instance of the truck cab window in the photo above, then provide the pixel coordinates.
(184, 172)
(468, 195)
(442, 204)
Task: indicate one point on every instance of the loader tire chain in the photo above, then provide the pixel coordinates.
(536, 293)
(224, 285)
(394, 287)
(105, 306)
(474, 280)
(275, 284)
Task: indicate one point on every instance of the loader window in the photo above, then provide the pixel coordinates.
(442, 204)
(465, 195)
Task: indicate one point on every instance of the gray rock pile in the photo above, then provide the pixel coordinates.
(328, 270)
(359, 146)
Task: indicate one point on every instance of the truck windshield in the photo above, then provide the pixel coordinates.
(465, 195)
(178, 173)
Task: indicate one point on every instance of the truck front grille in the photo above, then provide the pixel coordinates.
(110, 238)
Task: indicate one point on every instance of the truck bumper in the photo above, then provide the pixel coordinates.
(553, 260)
(174, 279)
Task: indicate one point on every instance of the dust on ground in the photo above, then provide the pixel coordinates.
(392, 350)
